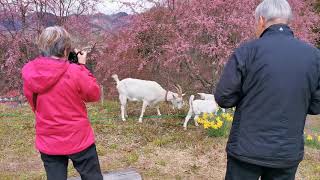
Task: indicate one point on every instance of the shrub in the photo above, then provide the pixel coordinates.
(216, 125)
(312, 141)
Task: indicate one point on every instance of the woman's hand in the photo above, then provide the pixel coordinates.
(82, 56)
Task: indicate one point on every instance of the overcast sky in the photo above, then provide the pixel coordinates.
(111, 7)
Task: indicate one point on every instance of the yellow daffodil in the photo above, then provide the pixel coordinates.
(199, 120)
(211, 115)
(206, 125)
(219, 124)
(214, 126)
(309, 138)
(224, 115)
(205, 116)
(319, 138)
(229, 117)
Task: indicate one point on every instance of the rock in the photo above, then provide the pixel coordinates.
(125, 174)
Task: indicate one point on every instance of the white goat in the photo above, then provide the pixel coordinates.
(197, 107)
(149, 92)
(205, 96)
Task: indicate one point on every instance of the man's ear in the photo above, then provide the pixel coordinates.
(262, 22)
(174, 97)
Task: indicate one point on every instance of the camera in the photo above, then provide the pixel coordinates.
(73, 57)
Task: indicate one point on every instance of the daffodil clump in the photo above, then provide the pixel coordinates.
(312, 140)
(216, 125)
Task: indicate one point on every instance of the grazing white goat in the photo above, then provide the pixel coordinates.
(205, 96)
(197, 107)
(149, 92)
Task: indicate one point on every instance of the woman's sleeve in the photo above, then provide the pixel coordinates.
(28, 94)
(88, 86)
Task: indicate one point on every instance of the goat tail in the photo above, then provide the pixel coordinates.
(191, 101)
(116, 78)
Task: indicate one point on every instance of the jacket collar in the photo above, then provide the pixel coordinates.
(277, 29)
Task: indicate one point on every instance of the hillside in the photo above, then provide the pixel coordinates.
(98, 21)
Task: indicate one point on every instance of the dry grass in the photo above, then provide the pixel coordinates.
(158, 148)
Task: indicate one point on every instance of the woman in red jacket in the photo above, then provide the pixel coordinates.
(57, 91)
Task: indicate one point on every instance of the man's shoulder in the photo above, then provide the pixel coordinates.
(256, 43)
(247, 45)
(306, 44)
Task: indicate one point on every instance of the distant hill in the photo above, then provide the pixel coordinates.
(98, 21)
(109, 22)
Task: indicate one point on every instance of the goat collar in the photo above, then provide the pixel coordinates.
(166, 97)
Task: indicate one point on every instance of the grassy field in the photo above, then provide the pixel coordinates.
(158, 149)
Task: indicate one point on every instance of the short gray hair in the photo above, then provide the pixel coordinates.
(274, 9)
(53, 41)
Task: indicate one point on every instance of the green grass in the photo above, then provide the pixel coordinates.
(158, 148)
(314, 143)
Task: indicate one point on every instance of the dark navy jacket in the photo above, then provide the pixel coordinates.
(274, 83)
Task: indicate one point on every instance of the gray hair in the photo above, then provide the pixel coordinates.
(53, 41)
(274, 9)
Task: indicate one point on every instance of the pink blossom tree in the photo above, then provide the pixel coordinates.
(175, 41)
(189, 41)
(23, 21)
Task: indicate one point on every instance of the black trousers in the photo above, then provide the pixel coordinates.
(85, 162)
(239, 170)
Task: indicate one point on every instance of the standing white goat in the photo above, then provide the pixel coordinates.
(149, 92)
(197, 107)
(205, 96)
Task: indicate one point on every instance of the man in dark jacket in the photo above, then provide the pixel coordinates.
(274, 83)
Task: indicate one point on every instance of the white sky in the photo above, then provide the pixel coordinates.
(111, 6)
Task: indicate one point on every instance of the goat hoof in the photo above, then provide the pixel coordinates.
(185, 128)
(124, 120)
(140, 121)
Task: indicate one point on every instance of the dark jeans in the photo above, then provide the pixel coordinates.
(239, 170)
(86, 163)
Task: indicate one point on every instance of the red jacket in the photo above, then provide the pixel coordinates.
(62, 124)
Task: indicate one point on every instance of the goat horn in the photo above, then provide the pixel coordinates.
(179, 89)
(176, 88)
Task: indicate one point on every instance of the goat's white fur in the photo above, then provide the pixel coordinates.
(149, 92)
(197, 107)
(205, 96)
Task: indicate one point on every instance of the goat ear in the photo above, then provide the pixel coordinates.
(183, 95)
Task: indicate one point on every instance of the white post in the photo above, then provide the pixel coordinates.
(102, 94)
